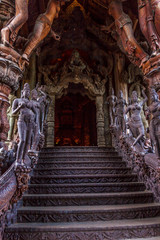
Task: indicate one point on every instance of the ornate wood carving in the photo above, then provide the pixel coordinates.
(10, 75)
(148, 17)
(123, 233)
(146, 166)
(76, 71)
(7, 190)
(51, 123)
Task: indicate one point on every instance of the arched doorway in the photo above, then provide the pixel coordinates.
(75, 121)
(76, 77)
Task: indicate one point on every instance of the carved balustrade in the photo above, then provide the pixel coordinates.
(145, 165)
(13, 184)
(7, 189)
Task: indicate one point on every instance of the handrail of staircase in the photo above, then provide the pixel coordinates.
(13, 184)
(145, 164)
(8, 186)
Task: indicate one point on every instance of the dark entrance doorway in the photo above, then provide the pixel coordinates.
(75, 121)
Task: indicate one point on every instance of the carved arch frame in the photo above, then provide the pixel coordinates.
(93, 90)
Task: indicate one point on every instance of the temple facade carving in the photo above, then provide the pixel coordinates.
(76, 71)
(79, 77)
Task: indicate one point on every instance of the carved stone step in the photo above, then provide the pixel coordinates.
(78, 154)
(107, 178)
(77, 149)
(87, 199)
(87, 213)
(81, 170)
(151, 238)
(117, 230)
(85, 188)
(57, 164)
(78, 158)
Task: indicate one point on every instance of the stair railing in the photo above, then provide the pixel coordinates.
(142, 161)
(13, 184)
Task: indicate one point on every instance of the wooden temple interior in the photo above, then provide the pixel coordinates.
(79, 119)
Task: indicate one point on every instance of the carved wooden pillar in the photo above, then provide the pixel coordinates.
(32, 71)
(100, 122)
(10, 75)
(51, 123)
(4, 104)
(108, 136)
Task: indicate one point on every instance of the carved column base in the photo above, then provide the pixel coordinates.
(10, 75)
(100, 135)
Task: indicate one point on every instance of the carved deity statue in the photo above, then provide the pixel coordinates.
(11, 117)
(135, 121)
(120, 110)
(9, 32)
(124, 29)
(25, 122)
(149, 18)
(76, 63)
(154, 110)
(111, 100)
(42, 27)
(5, 16)
(44, 102)
(36, 128)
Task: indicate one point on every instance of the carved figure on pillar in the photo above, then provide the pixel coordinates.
(124, 29)
(11, 117)
(120, 110)
(9, 82)
(148, 25)
(135, 121)
(111, 100)
(154, 110)
(42, 27)
(25, 122)
(51, 122)
(44, 102)
(9, 32)
(36, 128)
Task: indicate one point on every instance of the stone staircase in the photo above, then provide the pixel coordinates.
(85, 193)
